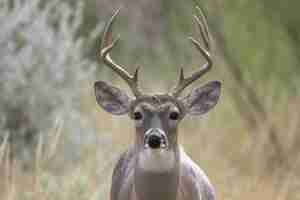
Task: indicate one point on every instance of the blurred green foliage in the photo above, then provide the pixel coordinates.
(262, 36)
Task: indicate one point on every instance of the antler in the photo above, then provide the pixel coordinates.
(107, 44)
(203, 27)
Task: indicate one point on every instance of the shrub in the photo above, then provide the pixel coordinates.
(43, 61)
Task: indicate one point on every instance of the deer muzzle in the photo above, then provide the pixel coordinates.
(155, 138)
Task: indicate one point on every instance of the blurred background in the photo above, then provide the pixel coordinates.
(56, 143)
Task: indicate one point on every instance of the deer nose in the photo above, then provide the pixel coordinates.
(154, 141)
(155, 138)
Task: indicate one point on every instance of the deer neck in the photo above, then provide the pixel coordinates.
(157, 173)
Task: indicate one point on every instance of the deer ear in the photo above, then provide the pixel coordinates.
(202, 99)
(111, 99)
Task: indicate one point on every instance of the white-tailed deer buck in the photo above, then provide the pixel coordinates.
(156, 167)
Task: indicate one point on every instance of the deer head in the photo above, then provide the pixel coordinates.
(157, 116)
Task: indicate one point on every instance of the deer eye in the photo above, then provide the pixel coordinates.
(137, 115)
(174, 115)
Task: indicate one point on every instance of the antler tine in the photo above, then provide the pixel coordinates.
(107, 44)
(203, 27)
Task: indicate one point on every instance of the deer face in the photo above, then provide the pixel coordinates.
(157, 117)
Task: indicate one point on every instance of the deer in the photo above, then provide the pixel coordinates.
(155, 166)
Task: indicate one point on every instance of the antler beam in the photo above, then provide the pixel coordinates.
(107, 44)
(203, 27)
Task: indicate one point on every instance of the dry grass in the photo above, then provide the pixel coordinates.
(233, 160)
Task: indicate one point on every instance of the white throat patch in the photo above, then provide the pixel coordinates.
(156, 160)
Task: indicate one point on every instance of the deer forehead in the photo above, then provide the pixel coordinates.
(156, 108)
(157, 103)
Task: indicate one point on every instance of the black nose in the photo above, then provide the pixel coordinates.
(154, 141)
